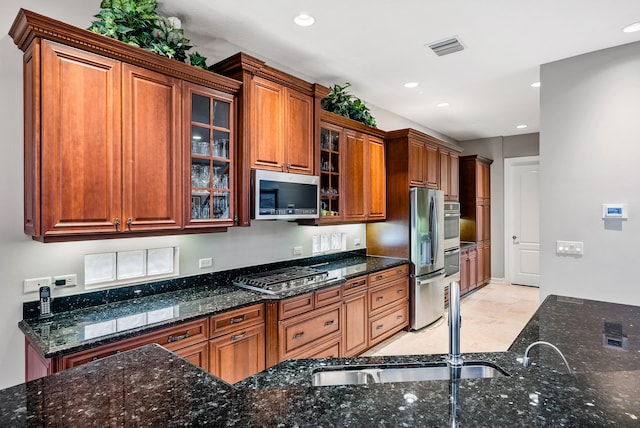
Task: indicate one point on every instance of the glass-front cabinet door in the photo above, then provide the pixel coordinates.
(211, 144)
(330, 184)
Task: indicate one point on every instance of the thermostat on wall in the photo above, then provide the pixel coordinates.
(614, 211)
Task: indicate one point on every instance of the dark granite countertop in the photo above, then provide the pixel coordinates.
(150, 386)
(83, 326)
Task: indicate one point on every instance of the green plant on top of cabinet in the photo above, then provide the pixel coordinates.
(210, 147)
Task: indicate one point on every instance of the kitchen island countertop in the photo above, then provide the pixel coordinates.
(150, 386)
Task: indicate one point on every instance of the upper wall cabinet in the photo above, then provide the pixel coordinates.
(353, 186)
(415, 159)
(104, 145)
(276, 117)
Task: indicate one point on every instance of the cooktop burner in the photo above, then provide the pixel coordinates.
(281, 280)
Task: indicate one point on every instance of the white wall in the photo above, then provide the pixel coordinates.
(22, 257)
(589, 155)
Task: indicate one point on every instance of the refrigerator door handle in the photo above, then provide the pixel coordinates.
(432, 277)
(434, 226)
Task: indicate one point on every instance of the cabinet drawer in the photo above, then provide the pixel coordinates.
(388, 294)
(295, 306)
(303, 330)
(328, 296)
(387, 323)
(388, 275)
(354, 285)
(330, 349)
(236, 319)
(172, 338)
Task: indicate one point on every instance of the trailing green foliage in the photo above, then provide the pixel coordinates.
(137, 23)
(341, 102)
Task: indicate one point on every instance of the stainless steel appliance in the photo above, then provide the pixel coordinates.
(280, 281)
(451, 263)
(284, 196)
(451, 225)
(427, 256)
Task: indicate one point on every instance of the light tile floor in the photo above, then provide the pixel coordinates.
(492, 317)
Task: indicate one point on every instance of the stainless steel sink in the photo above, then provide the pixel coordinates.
(349, 375)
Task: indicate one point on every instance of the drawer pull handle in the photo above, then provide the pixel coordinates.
(298, 336)
(356, 284)
(399, 271)
(379, 298)
(237, 320)
(380, 327)
(239, 336)
(177, 338)
(379, 277)
(400, 291)
(328, 323)
(399, 317)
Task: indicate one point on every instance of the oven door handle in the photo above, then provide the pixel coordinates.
(453, 251)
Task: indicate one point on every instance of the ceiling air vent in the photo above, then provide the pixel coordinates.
(446, 47)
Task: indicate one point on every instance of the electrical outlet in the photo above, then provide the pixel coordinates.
(315, 244)
(336, 242)
(356, 242)
(297, 251)
(207, 262)
(65, 280)
(570, 247)
(33, 285)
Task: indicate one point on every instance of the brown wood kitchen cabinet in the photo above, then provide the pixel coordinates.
(236, 349)
(352, 171)
(449, 174)
(475, 211)
(388, 303)
(103, 133)
(306, 326)
(355, 312)
(276, 122)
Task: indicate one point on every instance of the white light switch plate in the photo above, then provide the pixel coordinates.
(316, 244)
(336, 242)
(569, 247)
(325, 243)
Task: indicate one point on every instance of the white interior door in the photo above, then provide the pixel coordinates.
(522, 220)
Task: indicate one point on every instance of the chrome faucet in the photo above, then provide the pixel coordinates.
(455, 358)
(526, 361)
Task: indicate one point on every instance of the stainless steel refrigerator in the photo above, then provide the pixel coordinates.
(427, 256)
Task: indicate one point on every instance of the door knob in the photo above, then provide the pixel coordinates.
(514, 237)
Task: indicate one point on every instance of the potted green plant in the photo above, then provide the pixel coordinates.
(136, 22)
(340, 101)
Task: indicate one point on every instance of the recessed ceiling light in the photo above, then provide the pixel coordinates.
(632, 28)
(411, 84)
(521, 126)
(304, 20)
(442, 105)
(535, 85)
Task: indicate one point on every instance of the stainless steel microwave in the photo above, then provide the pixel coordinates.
(284, 196)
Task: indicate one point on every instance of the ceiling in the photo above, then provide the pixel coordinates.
(378, 45)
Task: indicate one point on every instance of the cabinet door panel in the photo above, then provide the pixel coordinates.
(196, 354)
(81, 140)
(417, 163)
(267, 125)
(237, 355)
(354, 176)
(151, 147)
(299, 133)
(454, 179)
(376, 180)
(355, 324)
(444, 174)
(433, 159)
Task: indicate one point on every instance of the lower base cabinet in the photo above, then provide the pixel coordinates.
(237, 355)
(355, 324)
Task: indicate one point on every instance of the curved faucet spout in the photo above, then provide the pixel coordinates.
(526, 361)
(455, 321)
